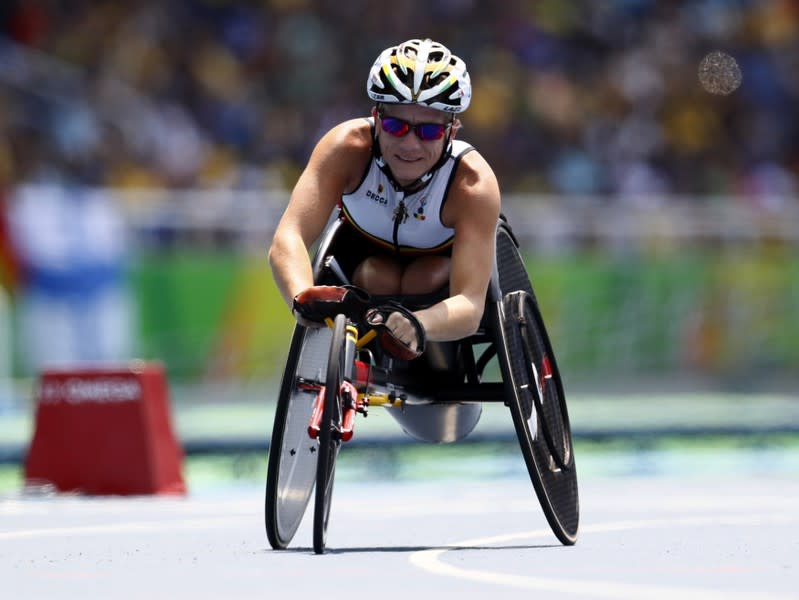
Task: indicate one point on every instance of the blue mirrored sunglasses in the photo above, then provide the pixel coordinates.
(427, 132)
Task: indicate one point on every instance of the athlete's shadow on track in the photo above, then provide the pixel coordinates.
(411, 549)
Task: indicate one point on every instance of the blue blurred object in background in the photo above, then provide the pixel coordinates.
(74, 307)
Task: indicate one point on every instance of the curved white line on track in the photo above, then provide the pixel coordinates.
(430, 561)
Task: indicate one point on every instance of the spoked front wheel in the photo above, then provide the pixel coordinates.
(538, 407)
(329, 433)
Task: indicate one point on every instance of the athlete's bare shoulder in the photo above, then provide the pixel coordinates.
(354, 135)
(474, 192)
(474, 173)
(344, 150)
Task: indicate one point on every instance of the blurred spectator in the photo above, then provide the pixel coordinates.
(72, 303)
(575, 98)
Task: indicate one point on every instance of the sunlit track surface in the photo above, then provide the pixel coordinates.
(666, 537)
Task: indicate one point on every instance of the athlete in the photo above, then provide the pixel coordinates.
(420, 205)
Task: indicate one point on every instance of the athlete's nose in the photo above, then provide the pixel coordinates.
(411, 142)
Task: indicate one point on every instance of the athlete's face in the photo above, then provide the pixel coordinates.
(406, 153)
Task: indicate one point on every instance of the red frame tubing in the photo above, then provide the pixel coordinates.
(316, 416)
(351, 407)
(363, 374)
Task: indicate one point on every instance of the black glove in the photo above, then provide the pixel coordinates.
(317, 303)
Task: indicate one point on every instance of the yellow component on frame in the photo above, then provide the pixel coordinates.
(382, 399)
(366, 338)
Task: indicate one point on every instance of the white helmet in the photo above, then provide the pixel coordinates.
(420, 72)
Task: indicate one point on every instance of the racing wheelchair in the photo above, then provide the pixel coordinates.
(333, 373)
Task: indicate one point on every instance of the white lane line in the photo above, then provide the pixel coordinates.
(140, 527)
(430, 561)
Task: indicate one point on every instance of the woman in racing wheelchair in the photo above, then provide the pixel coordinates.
(417, 217)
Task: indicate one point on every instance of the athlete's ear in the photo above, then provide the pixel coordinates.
(456, 125)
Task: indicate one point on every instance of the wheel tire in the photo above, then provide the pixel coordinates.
(329, 434)
(540, 416)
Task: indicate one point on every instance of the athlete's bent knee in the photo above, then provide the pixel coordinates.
(378, 275)
(425, 275)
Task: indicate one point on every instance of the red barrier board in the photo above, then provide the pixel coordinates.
(105, 431)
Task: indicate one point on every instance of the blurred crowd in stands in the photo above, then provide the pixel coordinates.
(584, 99)
(580, 98)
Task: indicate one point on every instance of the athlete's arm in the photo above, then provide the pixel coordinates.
(336, 164)
(472, 210)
